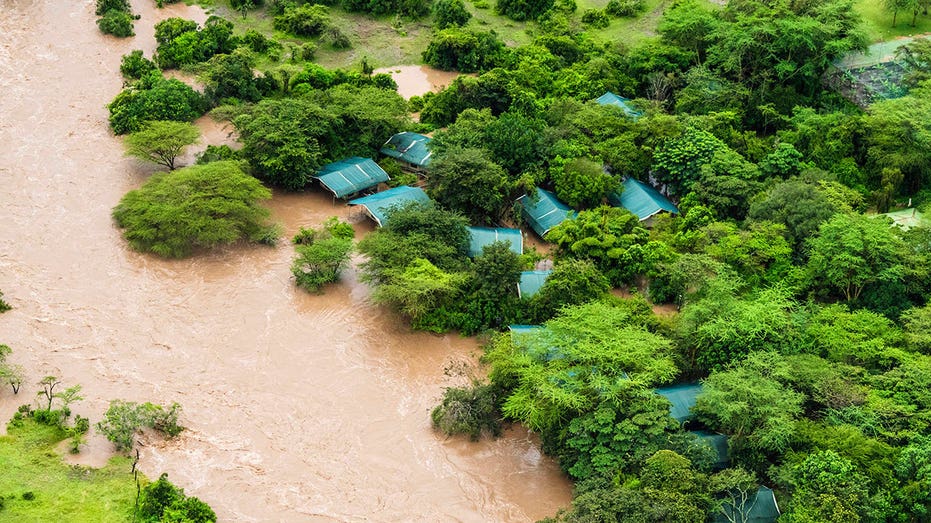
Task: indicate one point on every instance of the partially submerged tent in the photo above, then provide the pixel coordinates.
(351, 175)
(718, 443)
(642, 200)
(759, 508)
(531, 282)
(610, 98)
(545, 211)
(410, 148)
(377, 205)
(682, 398)
(482, 236)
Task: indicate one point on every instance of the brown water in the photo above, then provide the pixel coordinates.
(299, 407)
(418, 80)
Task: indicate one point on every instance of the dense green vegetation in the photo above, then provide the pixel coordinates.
(116, 17)
(799, 310)
(200, 206)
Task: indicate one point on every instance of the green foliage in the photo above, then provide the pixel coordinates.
(469, 182)
(161, 142)
(828, 488)
(721, 328)
(572, 282)
(304, 20)
(182, 42)
(618, 435)
(321, 254)
(610, 237)
(624, 8)
(917, 326)
(463, 50)
(898, 137)
(751, 404)
(469, 410)
(582, 182)
(4, 306)
(798, 205)
(596, 18)
(450, 13)
(116, 23)
(103, 6)
(853, 251)
(679, 161)
(154, 98)
(586, 353)
(418, 288)
(163, 501)
(197, 207)
(859, 338)
(522, 9)
(218, 153)
(124, 419)
(231, 76)
(134, 65)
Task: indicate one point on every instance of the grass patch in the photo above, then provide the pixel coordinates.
(877, 22)
(59, 492)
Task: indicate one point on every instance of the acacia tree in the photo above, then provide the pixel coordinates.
(200, 206)
(161, 141)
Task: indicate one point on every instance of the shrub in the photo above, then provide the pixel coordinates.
(464, 50)
(4, 306)
(116, 23)
(162, 501)
(200, 206)
(337, 38)
(305, 20)
(468, 410)
(134, 65)
(29, 495)
(624, 8)
(596, 18)
(450, 13)
(523, 9)
(103, 6)
(322, 254)
(124, 418)
(154, 98)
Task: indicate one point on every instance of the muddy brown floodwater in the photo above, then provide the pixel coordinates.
(299, 407)
(418, 80)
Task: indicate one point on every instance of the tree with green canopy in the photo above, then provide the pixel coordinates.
(161, 141)
(852, 251)
(751, 404)
(572, 282)
(197, 207)
(321, 254)
(797, 205)
(608, 236)
(582, 182)
(154, 97)
(418, 288)
(583, 355)
(469, 182)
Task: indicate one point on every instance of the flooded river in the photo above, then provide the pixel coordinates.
(299, 407)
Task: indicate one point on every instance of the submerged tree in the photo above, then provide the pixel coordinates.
(200, 206)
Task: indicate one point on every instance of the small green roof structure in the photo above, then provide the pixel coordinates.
(610, 98)
(410, 148)
(761, 508)
(642, 200)
(351, 175)
(718, 443)
(545, 211)
(482, 236)
(379, 204)
(682, 398)
(907, 218)
(531, 282)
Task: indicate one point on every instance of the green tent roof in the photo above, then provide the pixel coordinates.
(482, 236)
(351, 175)
(531, 282)
(718, 443)
(682, 398)
(545, 211)
(641, 199)
(409, 147)
(907, 218)
(377, 205)
(761, 508)
(610, 98)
